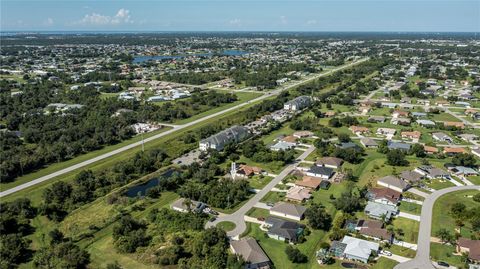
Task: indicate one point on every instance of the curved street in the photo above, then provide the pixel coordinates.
(422, 259)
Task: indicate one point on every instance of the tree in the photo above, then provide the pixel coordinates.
(476, 197)
(458, 210)
(318, 217)
(342, 137)
(444, 235)
(464, 159)
(348, 202)
(396, 157)
(294, 255)
(418, 150)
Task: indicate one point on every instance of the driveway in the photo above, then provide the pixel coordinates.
(238, 216)
(409, 216)
(422, 258)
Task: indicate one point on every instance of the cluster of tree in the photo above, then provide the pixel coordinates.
(345, 121)
(464, 159)
(193, 78)
(258, 152)
(61, 253)
(307, 123)
(350, 201)
(294, 255)
(170, 221)
(318, 217)
(129, 234)
(351, 155)
(14, 227)
(62, 197)
(266, 77)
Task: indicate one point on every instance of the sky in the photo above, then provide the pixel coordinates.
(241, 15)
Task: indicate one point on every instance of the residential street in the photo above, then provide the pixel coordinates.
(422, 258)
(176, 128)
(238, 216)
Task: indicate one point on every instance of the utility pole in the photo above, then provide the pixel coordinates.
(143, 144)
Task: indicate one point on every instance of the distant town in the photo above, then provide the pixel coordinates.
(240, 150)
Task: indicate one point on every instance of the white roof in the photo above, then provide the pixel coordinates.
(359, 247)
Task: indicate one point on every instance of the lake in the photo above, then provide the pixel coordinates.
(141, 190)
(141, 59)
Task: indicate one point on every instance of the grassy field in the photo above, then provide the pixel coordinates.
(226, 225)
(440, 252)
(438, 184)
(259, 181)
(58, 166)
(258, 213)
(402, 251)
(273, 197)
(410, 208)
(242, 98)
(409, 227)
(441, 211)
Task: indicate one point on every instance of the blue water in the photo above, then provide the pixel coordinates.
(141, 59)
(141, 190)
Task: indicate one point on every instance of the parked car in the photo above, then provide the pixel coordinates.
(444, 264)
(386, 253)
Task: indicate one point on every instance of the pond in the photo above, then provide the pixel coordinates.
(141, 59)
(141, 190)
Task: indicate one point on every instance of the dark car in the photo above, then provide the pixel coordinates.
(444, 264)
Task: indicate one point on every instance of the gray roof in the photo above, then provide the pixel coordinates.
(394, 181)
(398, 145)
(411, 176)
(300, 102)
(284, 228)
(250, 250)
(366, 141)
(322, 170)
(289, 209)
(359, 247)
(233, 134)
(379, 209)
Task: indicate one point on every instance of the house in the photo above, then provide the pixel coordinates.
(287, 210)
(378, 234)
(284, 230)
(330, 114)
(248, 171)
(384, 196)
(400, 121)
(378, 119)
(320, 171)
(183, 205)
(368, 142)
(472, 247)
(411, 176)
(388, 105)
(458, 125)
(398, 145)
(372, 224)
(394, 183)
(432, 172)
(419, 114)
(430, 150)
(251, 252)
(298, 103)
(330, 162)
(354, 249)
(289, 139)
(414, 135)
(380, 211)
(453, 151)
(349, 145)
(400, 114)
(476, 152)
(468, 137)
(282, 145)
(218, 141)
(309, 182)
(388, 132)
(298, 194)
(463, 171)
(426, 123)
(358, 130)
(439, 136)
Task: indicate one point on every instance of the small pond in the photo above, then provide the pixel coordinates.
(141, 190)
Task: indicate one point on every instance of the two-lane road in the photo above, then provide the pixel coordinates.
(422, 259)
(176, 128)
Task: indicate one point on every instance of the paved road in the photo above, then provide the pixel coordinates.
(422, 258)
(238, 216)
(175, 128)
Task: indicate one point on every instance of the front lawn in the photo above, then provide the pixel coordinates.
(226, 225)
(440, 252)
(273, 197)
(409, 227)
(410, 208)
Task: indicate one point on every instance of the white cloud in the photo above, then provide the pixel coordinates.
(122, 17)
(235, 22)
(48, 22)
(312, 22)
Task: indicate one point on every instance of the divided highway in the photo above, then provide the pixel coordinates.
(176, 128)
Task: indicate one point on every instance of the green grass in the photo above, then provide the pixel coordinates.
(410, 208)
(259, 181)
(59, 166)
(440, 252)
(438, 184)
(409, 227)
(258, 213)
(443, 117)
(474, 179)
(441, 211)
(273, 197)
(226, 226)
(384, 263)
(402, 251)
